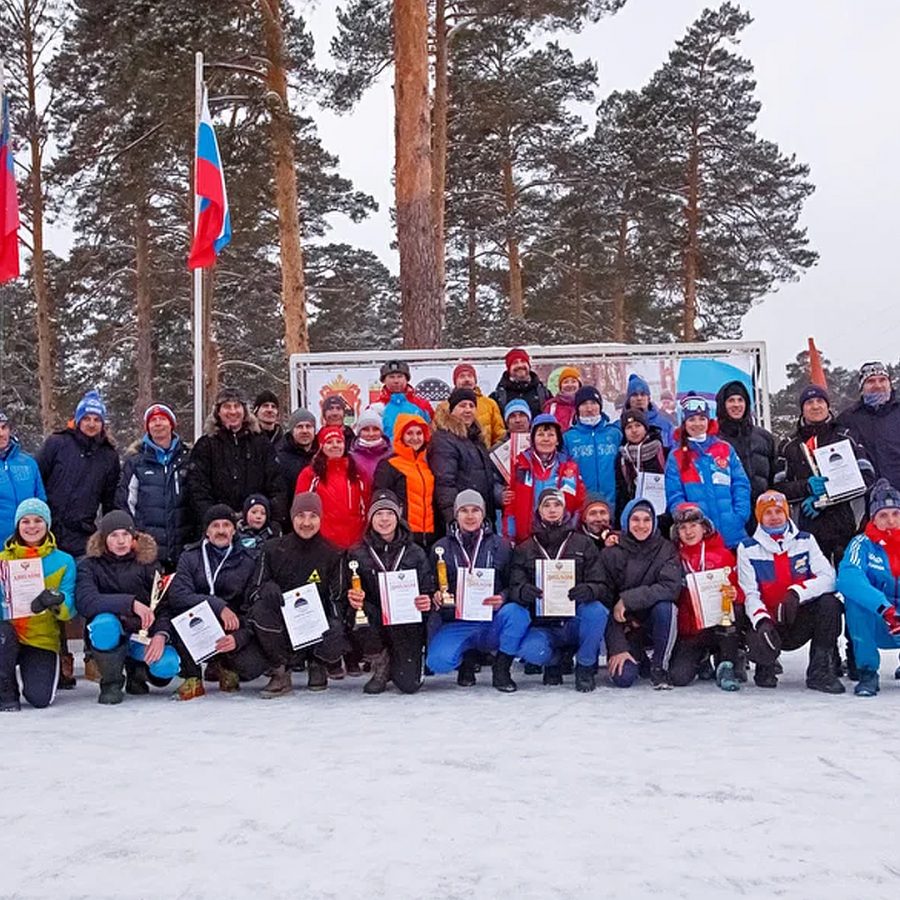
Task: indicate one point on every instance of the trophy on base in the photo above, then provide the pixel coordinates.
(728, 595)
(447, 599)
(361, 620)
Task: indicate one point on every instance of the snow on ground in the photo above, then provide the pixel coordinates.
(455, 793)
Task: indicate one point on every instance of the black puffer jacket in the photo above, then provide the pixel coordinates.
(533, 392)
(80, 475)
(227, 467)
(835, 525)
(578, 546)
(230, 587)
(755, 446)
(878, 430)
(458, 460)
(154, 491)
(292, 459)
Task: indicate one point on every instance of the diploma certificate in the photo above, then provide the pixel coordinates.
(555, 578)
(651, 486)
(705, 590)
(472, 589)
(304, 616)
(199, 629)
(23, 580)
(398, 597)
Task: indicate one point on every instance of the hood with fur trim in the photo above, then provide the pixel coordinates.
(212, 425)
(145, 551)
(444, 421)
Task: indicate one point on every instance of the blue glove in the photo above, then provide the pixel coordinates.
(809, 509)
(817, 485)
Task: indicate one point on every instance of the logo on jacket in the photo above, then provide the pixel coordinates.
(314, 578)
(801, 564)
(722, 462)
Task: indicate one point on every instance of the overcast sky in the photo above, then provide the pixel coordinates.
(827, 80)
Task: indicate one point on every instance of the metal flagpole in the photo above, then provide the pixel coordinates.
(199, 407)
(2, 304)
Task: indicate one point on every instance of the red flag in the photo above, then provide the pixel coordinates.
(9, 205)
(816, 372)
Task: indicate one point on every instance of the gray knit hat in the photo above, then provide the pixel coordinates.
(385, 500)
(300, 415)
(468, 497)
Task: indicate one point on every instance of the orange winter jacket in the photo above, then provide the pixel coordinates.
(408, 475)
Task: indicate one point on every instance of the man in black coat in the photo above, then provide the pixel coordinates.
(153, 485)
(640, 582)
(519, 382)
(233, 460)
(458, 457)
(298, 558)
(754, 446)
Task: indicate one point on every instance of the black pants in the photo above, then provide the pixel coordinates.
(818, 623)
(722, 643)
(38, 668)
(406, 648)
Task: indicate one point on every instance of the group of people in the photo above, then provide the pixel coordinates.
(525, 523)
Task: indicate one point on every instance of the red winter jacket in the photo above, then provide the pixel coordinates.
(530, 477)
(343, 502)
(710, 553)
(562, 408)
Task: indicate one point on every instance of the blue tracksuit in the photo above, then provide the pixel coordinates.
(595, 449)
(868, 585)
(585, 631)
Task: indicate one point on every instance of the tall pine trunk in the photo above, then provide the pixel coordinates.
(516, 291)
(42, 300)
(439, 143)
(420, 287)
(618, 334)
(293, 285)
(143, 356)
(692, 242)
(472, 294)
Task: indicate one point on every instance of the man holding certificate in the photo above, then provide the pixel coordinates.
(640, 579)
(555, 575)
(396, 587)
(477, 569)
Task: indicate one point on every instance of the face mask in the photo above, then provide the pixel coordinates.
(876, 399)
(589, 420)
(775, 532)
(699, 439)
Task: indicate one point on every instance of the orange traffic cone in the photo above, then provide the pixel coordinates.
(816, 372)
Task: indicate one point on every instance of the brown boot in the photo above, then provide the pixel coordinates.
(279, 684)
(229, 681)
(381, 673)
(66, 680)
(190, 689)
(91, 670)
(317, 677)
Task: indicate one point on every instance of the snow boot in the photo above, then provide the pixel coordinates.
(229, 681)
(465, 676)
(867, 684)
(381, 673)
(820, 672)
(190, 689)
(91, 670)
(354, 670)
(111, 664)
(317, 677)
(567, 663)
(659, 678)
(335, 671)
(725, 677)
(532, 669)
(742, 666)
(553, 675)
(66, 680)
(500, 672)
(9, 694)
(135, 678)
(585, 680)
(705, 671)
(213, 668)
(765, 676)
(279, 685)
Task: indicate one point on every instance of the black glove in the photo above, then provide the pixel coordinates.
(581, 593)
(769, 635)
(47, 599)
(787, 609)
(528, 594)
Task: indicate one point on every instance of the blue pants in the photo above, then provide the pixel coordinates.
(543, 643)
(453, 639)
(659, 624)
(106, 634)
(869, 632)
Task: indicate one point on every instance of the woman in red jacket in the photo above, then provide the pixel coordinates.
(332, 475)
(702, 549)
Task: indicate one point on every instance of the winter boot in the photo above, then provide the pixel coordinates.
(335, 671)
(66, 680)
(317, 677)
(820, 672)
(567, 663)
(111, 664)
(659, 678)
(9, 694)
(213, 668)
(705, 671)
(279, 685)
(381, 673)
(135, 678)
(532, 669)
(501, 678)
(867, 684)
(465, 676)
(229, 680)
(353, 668)
(190, 689)
(765, 676)
(585, 681)
(852, 670)
(91, 670)
(553, 675)
(725, 677)
(742, 666)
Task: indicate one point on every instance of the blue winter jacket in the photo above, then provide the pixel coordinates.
(655, 417)
(595, 448)
(865, 576)
(20, 479)
(715, 480)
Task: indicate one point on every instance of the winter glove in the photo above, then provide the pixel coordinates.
(809, 508)
(581, 593)
(891, 620)
(816, 485)
(47, 599)
(787, 609)
(529, 593)
(769, 635)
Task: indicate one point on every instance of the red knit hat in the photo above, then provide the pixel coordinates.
(159, 409)
(517, 354)
(464, 367)
(330, 431)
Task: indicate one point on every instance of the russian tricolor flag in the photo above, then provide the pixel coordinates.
(9, 205)
(213, 230)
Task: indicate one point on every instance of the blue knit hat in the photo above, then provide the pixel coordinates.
(516, 406)
(692, 404)
(33, 507)
(811, 392)
(636, 385)
(883, 496)
(90, 405)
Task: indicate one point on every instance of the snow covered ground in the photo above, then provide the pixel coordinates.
(455, 794)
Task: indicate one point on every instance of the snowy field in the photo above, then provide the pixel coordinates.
(455, 793)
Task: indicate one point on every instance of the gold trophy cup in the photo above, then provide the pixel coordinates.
(361, 620)
(447, 599)
(728, 595)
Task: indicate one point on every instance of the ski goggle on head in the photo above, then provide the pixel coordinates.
(694, 406)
